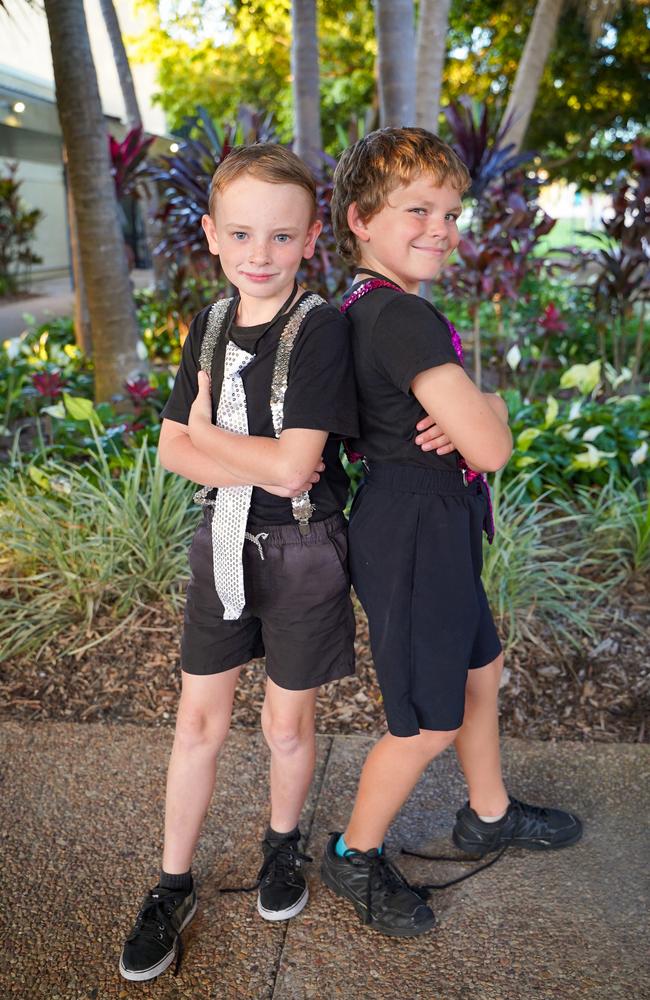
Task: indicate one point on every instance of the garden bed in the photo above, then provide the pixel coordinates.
(598, 693)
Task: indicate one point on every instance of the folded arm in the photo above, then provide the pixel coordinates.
(178, 454)
(289, 461)
(474, 421)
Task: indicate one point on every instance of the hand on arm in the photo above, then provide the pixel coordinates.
(465, 416)
(292, 461)
(432, 437)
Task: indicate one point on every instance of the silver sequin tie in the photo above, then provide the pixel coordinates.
(233, 502)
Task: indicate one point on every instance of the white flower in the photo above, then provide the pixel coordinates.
(640, 454)
(513, 357)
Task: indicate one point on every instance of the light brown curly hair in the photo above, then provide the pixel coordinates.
(383, 160)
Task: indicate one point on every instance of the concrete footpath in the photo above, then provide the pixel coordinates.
(81, 829)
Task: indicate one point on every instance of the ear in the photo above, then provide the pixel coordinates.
(356, 224)
(313, 233)
(210, 231)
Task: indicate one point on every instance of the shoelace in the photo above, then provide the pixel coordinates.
(281, 859)
(520, 824)
(383, 874)
(457, 860)
(155, 916)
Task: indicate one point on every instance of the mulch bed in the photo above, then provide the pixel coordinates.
(600, 692)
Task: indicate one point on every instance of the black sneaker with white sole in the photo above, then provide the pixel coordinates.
(155, 941)
(378, 891)
(283, 892)
(531, 827)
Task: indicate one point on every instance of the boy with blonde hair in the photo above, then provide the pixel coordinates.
(263, 395)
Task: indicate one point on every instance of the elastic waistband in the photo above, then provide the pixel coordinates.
(416, 479)
(290, 534)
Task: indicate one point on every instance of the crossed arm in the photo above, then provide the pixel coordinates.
(476, 422)
(289, 465)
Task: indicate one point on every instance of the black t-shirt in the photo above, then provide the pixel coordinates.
(320, 396)
(395, 337)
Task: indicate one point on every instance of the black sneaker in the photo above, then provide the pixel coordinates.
(155, 941)
(532, 827)
(283, 892)
(379, 892)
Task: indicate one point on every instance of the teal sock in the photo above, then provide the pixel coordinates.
(341, 847)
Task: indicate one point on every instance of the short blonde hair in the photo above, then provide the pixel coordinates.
(267, 162)
(374, 166)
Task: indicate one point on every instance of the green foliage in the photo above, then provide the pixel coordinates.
(250, 64)
(17, 231)
(580, 442)
(538, 575)
(76, 542)
(592, 98)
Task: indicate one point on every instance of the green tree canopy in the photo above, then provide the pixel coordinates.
(593, 100)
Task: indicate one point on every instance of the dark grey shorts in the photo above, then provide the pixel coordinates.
(298, 610)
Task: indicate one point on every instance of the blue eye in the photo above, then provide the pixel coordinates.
(239, 236)
(283, 237)
(418, 211)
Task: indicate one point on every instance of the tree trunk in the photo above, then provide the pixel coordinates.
(396, 42)
(148, 203)
(113, 322)
(529, 72)
(306, 86)
(133, 116)
(81, 318)
(431, 49)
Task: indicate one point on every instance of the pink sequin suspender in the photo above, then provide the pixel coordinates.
(469, 475)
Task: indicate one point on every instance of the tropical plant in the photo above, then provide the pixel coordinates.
(128, 162)
(618, 272)
(478, 140)
(76, 542)
(539, 590)
(17, 232)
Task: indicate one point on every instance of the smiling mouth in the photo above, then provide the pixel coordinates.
(440, 250)
(257, 277)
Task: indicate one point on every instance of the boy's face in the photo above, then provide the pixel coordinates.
(261, 232)
(413, 235)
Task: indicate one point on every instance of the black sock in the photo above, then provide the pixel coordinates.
(273, 837)
(179, 883)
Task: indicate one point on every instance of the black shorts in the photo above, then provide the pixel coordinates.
(298, 610)
(416, 559)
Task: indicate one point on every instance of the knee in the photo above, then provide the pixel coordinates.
(432, 743)
(197, 729)
(285, 736)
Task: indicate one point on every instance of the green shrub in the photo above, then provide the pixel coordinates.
(538, 577)
(75, 541)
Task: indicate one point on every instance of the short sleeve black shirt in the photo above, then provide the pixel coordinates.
(395, 336)
(320, 396)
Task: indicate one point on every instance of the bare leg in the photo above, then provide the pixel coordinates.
(201, 727)
(477, 742)
(288, 726)
(389, 775)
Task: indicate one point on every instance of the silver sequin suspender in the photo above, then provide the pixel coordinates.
(301, 506)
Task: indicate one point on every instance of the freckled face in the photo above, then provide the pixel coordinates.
(261, 232)
(414, 234)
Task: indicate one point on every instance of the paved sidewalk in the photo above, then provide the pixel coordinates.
(82, 817)
(50, 299)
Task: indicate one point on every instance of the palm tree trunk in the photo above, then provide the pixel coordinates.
(431, 48)
(396, 42)
(113, 322)
(81, 317)
(306, 84)
(149, 202)
(531, 66)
